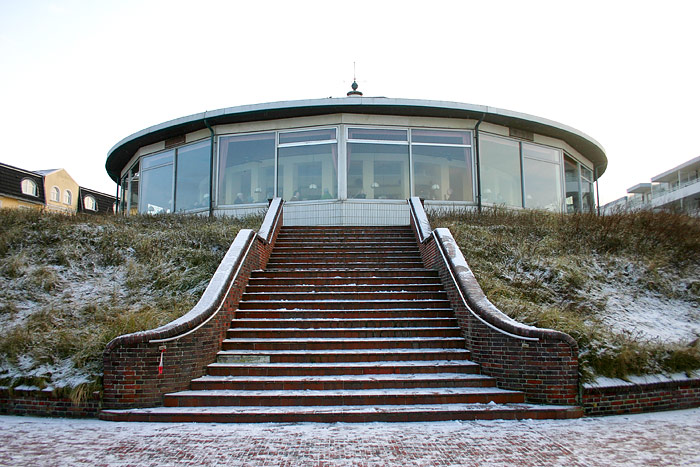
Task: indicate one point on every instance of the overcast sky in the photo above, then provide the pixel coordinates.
(78, 76)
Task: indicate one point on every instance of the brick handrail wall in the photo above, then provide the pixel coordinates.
(189, 343)
(542, 363)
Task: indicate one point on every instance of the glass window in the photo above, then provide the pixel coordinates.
(462, 138)
(246, 168)
(323, 134)
(133, 195)
(29, 187)
(67, 197)
(587, 173)
(157, 159)
(308, 172)
(542, 178)
(89, 203)
(442, 173)
(157, 190)
(55, 194)
(571, 176)
(587, 199)
(377, 171)
(500, 171)
(192, 181)
(381, 134)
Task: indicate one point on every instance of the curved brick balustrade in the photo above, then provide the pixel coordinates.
(191, 342)
(542, 363)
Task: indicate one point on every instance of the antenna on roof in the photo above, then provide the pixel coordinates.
(354, 86)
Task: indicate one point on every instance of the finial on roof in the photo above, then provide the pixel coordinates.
(354, 86)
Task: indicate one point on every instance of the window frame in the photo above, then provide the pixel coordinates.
(24, 187)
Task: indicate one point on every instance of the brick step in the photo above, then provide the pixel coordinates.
(339, 233)
(464, 395)
(349, 287)
(318, 264)
(283, 246)
(357, 256)
(346, 228)
(345, 413)
(344, 314)
(327, 368)
(337, 333)
(352, 323)
(342, 343)
(340, 382)
(341, 304)
(358, 273)
(341, 296)
(367, 357)
(348, 280)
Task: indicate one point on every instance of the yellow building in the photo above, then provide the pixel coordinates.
(53, 190)
(61, 190)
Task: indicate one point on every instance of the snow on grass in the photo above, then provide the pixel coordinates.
(69, 284)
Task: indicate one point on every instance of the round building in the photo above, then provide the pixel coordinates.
(355, 161)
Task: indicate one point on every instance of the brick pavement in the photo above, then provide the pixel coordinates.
(669, 438)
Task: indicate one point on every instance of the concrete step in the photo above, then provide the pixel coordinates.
(347, 287)
(342, 304)
(328, 362)
(345, 413)
(343, 273)
(342, 296)
(341, 382)
(355, 264)
(231, 398)
(319, 323)
(344, 314)
(341, 333)
(342, 343)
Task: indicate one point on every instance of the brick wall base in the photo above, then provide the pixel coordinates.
(47, 404)
(542, 363)
(645, 397)
(133, 376)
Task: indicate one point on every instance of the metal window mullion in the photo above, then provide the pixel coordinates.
(276, 164)
(410, 164)
(522, 174)
(174, 188)
(342, 163)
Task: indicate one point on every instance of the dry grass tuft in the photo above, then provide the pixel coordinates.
(544, 269)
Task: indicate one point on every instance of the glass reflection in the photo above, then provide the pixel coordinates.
(308, 172)
(500, 171)
(192, 181)
(442, 173)
(377, 171)
(246, 169)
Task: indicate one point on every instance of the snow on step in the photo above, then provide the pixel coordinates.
(358, 329)
(333, 378)
(338, 409)
(342, 339)
(391, 363)
(467, 391)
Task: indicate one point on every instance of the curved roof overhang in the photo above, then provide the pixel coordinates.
(124, 150)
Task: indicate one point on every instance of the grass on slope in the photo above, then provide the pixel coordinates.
(596, 278)
(70, 284)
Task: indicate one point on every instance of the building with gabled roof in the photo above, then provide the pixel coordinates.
(53, 190)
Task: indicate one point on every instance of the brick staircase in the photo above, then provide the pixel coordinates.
(344, 324)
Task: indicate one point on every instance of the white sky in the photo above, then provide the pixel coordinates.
(78, 76)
